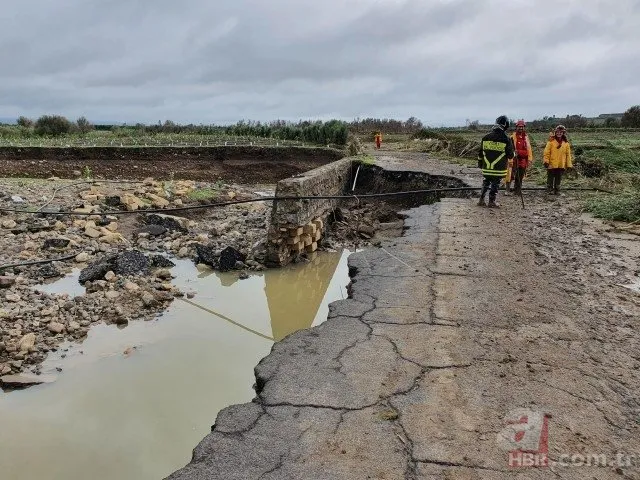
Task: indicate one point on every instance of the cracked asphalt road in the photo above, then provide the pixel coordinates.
(470, 314)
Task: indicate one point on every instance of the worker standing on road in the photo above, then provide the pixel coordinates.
(557, 158)
(523, 156)
(378, 139)
(496, 150)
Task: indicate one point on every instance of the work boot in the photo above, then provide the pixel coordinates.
(482, 203)
(493, 204)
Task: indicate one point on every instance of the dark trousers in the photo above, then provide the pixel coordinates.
(491, 184)
(519, 173)
(554, 177)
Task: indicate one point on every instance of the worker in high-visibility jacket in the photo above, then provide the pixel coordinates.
(496, 150)
(557, 159)
(523, 157)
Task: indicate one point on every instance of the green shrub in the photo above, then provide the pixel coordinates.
(623, 206)
(52, 125)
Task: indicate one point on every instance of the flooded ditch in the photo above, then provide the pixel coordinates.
(132, 402)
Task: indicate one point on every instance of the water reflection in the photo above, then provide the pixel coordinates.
(132, 403)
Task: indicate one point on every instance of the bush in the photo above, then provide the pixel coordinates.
(624, 207)
(53, 125)
(25, 122)
(427, 133)
(84, 126)
(631, 117)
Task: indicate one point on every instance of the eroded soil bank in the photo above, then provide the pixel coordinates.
(230, 164)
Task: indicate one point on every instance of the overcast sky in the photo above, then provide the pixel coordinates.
(215, 61)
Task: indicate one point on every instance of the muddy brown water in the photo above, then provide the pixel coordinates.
(132, 403)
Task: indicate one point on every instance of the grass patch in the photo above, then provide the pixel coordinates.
(623, 206)
(203, 194)
(365, 159)
(388, 415)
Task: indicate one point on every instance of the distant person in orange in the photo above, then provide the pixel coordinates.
(378, 139)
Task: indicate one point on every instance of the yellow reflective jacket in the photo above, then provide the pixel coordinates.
(556, 155)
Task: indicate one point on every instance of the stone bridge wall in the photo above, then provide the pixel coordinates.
(298, 225)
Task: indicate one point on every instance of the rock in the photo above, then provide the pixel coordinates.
(94, 271)
(206, 255)
(73, 326)
(112, 238)
(113, 201)
(166, 286)
(240, 265)
(48, 271)
(91, 232)
(112, 226)
(25, 380)
(132, 262)
(59, 226)
(164, 274)
(157, 201)
(167, 221)
(203, 267)
(55, 327)
(112, 294)
(177, 202)
(9, 224)
(243, 275)
(190, 294)
(76, 173)
(153, 230)
(6, 282)
(110, 276)
(82, 257)
(17, 199)
(149, 182)
(56, 243)
(228, 258)
(160, 261)
(12, 297)
(149, 300)
(27, 342)
(183, 252)
(121, 320)
(5, 369)
(132, 287)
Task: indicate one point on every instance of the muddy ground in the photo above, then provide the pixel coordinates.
(230, 164)
(103, 219)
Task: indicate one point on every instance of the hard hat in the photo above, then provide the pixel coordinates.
(503, 122)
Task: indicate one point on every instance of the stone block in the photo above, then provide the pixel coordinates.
(293, 240)
(306, 240)
(310, 229)
(311, 248)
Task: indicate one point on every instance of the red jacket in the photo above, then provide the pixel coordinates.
(523, 150)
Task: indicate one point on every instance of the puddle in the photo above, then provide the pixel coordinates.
(119, 412)
(67, 284)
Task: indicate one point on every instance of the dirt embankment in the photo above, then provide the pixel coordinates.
(234, 164)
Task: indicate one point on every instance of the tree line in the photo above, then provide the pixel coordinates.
(332, 132)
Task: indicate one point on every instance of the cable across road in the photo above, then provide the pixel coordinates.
(278, 199)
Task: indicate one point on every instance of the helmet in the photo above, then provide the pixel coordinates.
(520, 123)
(503, 122)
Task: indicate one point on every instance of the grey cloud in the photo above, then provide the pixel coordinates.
(212, 61)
